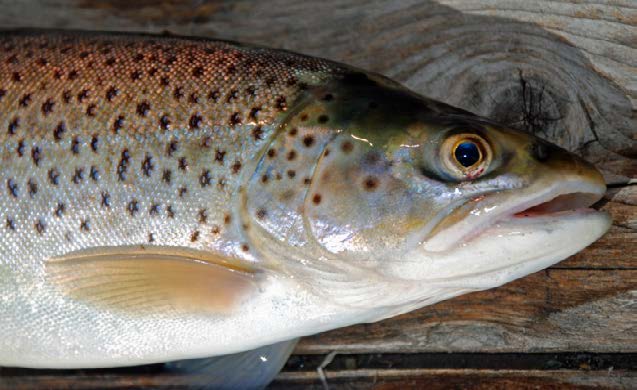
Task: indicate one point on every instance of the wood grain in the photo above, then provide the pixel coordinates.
(563, 69)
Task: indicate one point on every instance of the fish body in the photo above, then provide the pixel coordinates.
(168, 198)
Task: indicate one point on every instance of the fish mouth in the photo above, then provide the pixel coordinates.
(565, 199)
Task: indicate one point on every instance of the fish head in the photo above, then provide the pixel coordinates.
(418, 190)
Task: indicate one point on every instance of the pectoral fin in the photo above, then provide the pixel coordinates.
(150, 280)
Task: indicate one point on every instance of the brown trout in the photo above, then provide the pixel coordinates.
(170, 198)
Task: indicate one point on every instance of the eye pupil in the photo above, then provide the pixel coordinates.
(467, 153)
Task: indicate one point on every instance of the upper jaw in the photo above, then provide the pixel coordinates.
(563, 196)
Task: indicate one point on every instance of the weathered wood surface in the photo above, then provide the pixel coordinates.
(566, 70)
(385, 379)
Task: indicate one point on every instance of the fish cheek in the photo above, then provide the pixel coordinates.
(355, 205)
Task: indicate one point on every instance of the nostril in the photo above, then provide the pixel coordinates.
(540, 151)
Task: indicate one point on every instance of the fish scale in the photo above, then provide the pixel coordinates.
(139, 134)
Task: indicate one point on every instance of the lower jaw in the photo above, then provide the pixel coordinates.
(510, 249)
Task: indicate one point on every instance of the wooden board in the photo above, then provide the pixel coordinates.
(563, 69)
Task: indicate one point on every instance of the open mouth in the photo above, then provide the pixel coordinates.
(568, 198)
(564, 203)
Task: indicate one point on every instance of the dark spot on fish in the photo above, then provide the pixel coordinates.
(327, 152)
(261, 213)
(219, 156)
(122, 167)
(203, 216)
(323, 118)
(2, 93)
(75, 145)
(178, 93)
(94, 174)
(307, 181)
(83, 95)
(164, 122)
(135, 75)
(183, 164)
(164, 81)
(221, 183)
(214, 95)
(204, 178)
(316, 199)
(84, 225)
(118, 124)
(154, 209)
(40, 226)
(257, 133)
(308, 141)
(291, 155)
(291, 173)
(195, 121)
(151, 238)
(293, 132)
(111, 93)
(265, 178)
(54, 176)
(73, 75)
(236, 167)
(347, 147)
(245, 247)
(10, 224)
(172, 147)
(47, 107)
(281, 103)
(106, 199)
(16, 77)
(251, 90)
(198, 71)
(304, 117)
(235, 119)
(110, 62)
(94, 143)
(370, 183)
(60, 129)
(271, 153)
(215, 229)
(33, 187)
(66, 96)
(25, 100)
(193, 98)
(147, 165)
(36, 155)
(13, 126)
(170, 212)
(90, 110)
(20, 148)
(254, 113)
(227, 218)
(78, 176)
(143, 108)
(232, 95)
(194, 236)
(166, 176)
(132, 207)
(59, 209)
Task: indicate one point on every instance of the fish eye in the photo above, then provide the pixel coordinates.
(465, 156)
(467, 153)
